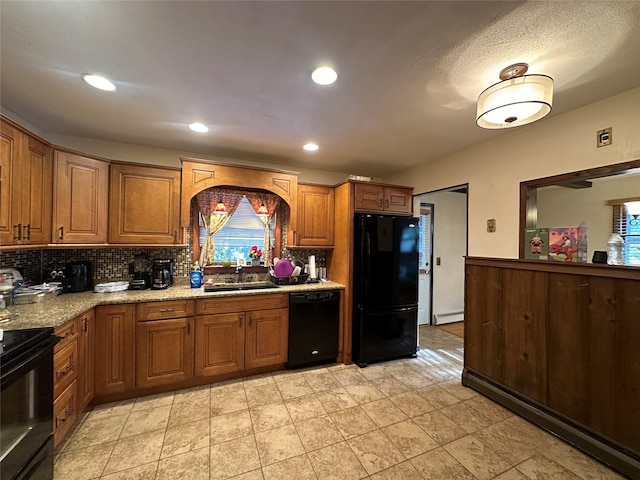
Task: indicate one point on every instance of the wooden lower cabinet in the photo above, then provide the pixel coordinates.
(86, 347)
(164, 351)
(219, 344)
(65, 412)
(114, 349)
(266, 337)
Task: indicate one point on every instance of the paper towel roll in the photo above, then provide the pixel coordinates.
(312, 266)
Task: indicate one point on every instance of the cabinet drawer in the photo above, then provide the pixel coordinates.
(164, 310)
(67, 333)
(65, 367)
(65, 412)
(241, 304)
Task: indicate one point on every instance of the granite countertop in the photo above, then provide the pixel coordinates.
(58, 310)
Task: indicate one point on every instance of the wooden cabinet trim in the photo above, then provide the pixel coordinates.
(67, 332)
(164, 310)
(216, 305)
(65, 367)
(65, 413)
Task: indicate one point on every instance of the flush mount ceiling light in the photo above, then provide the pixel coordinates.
(262, 211)
(310, 147)
(324, 75)
(199, 127)
(517, 100)
(99, 82)
(220, 208)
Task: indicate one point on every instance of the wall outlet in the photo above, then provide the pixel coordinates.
(605, 137)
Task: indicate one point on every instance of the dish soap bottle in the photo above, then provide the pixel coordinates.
(615, 247)
(195, 278)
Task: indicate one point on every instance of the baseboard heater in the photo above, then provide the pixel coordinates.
(611, 454)
(451, 317)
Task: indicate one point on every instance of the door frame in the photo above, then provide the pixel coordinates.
(430, 257)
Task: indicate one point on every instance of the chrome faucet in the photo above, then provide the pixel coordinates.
(239, 272)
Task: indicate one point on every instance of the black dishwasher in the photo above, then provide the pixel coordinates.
(314, 319)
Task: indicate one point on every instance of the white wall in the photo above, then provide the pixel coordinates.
(494, 169)
(450, 244)
(567, 207)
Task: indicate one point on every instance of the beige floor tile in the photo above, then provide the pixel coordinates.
(540, 467)
(494, 412)
(321, 382)
(252, 475)
(147, 420)
(269, 416)
(476, 457)
(352, 422)
(336, 462)
(457, 390)
(233, 458)
(538, 438)
(257, 380)
(201, 394)
(112, 409)
(304, 407)
(186, 437)
(437, 396)
(349, 376)
(278, 444)
(383, 412)
(390, 385)
(318, 433)
(193, 465)
(95, 432)
(507, 442)
(189, 411)
(294, 388)
(153, 401)
(402, 471)
(231, 425)
(259, 395)
(439, 465)
(336, 399)
(439, 427)
(375, 371)
(579, 463)
(134, 451)
(512, 474)
(296, 468)
(142, 472)
(286, 375)
(364, 392)
(409, 438)
(375, 451)
(468, 418)
(227, 400)
(82, 464)
(227, 386)
(412, 404)
(413, 379)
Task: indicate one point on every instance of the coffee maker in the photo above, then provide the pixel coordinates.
(162, 273)
(78, 277)
(141, 270)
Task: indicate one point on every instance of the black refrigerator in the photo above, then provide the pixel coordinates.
(385, 288)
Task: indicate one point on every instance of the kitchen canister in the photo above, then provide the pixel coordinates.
(615, 247)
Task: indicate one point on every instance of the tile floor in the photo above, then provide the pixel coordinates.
(400, 420)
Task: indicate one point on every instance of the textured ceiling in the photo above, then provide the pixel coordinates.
(409, 72)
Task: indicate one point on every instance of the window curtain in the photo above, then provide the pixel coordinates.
(213, 223)
(272, 202)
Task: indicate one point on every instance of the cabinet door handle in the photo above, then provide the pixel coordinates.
(18, 234)
(249, 319)
(63, 372)
(240, 321)
(60, 233)
(188, 327)
(175, 236)
(387, 202)
(380, 203)
(84, 324)
(26, 232)
(163, 310)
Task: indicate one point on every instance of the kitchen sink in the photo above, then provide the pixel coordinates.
(230, 287)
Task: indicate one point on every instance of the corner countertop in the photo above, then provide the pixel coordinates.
(58, 310)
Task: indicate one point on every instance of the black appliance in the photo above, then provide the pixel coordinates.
(79, 277)
(26, 410)
(56, 272)
(314, 319)
(140, 268)
(162, 273)
(385, 288)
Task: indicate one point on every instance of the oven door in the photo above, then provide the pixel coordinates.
(26, 410)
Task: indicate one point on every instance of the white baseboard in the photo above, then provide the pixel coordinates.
(451, 317)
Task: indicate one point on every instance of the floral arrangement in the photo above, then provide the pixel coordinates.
(255, 252)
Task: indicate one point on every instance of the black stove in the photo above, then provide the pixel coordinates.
(16, 343)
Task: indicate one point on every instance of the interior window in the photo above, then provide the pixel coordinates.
(628, 227)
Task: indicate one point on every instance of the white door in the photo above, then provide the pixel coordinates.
(426, 256)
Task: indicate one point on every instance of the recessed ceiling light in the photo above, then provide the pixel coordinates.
(199, 127)
(324, 75)
(310, 147)
(99, 82)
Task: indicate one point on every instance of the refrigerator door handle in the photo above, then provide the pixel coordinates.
(367, 250)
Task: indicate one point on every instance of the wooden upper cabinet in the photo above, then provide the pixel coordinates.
(114, 349)
(25, 188)
(383, 198)
(315, 216)
(80, 198)
(144, 204)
